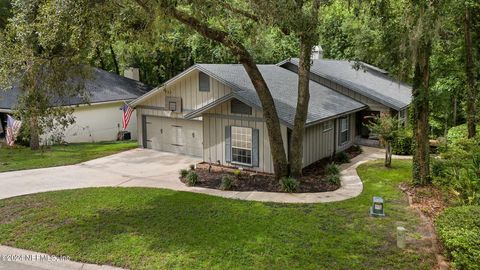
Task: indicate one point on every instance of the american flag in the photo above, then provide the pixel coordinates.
(127, 113)
(13, 127)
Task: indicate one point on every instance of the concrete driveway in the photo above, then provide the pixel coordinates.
(137, 167)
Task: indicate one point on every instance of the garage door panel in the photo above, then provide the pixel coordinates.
(175, 135)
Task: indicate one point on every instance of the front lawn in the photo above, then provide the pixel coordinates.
(142, 228)
(22, 158)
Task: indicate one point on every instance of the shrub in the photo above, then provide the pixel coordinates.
(289, 184)
(331, 169)
(458, 134)
(342, 157)
(356, 148)
(333, 179)
(226, 183)
(191, 179)
(237, 173)
(183, 173)
(459, 230)
(403, 144)
(192, 167)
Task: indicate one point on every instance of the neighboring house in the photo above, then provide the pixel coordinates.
(365, 83)
(212, 111)
(101, 119)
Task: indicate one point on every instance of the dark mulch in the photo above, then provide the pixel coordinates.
(313, 179)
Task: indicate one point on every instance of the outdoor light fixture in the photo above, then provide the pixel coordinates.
(377, 207)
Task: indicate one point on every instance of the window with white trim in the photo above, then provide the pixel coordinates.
(242, 145)
(327, 126)
(344, 127)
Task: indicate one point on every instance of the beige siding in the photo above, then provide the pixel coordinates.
(214, 123)
(318, 142)
(185, 87)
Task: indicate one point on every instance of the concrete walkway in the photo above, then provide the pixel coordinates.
(148, 168)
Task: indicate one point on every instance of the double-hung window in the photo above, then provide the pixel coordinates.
(344, 127)
(242, 145)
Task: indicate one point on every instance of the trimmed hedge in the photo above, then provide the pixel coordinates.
(459, 230)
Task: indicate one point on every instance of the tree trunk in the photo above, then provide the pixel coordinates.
(114, 59)
(34, 134)
(296, 158)
(244, 57)
(421, 171)
(470, 72)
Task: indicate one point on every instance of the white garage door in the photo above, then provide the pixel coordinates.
(175, 135)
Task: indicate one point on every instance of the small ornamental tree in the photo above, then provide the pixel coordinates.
(387, 128)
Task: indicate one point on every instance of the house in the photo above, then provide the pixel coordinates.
(365, 83)
(212, 111)
(101, 119)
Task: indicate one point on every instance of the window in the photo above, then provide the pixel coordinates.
(172, 106)
(238, 107)
(242, 145)
(344, 127)
(203, 82)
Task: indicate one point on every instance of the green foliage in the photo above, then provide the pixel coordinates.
(289, 184)
(191, 179)
(183, 173)
(459, 230)
(332, 168)
(333, 179)
(356, 148)
(226, 183)
(403, 143)
(342, 157)
(458, 135)
(237, 173)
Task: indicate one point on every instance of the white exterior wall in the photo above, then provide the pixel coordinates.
(99, 122)
(214, 123)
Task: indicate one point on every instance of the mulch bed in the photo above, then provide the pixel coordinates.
(210, 176)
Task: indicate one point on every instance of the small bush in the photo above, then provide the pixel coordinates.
(191, 179)
(357, 148)
(333, 179)
(226, 183)
(289, 184)
(237, 173)
(342, 157)
(183, 173)
(403, 144)
(192, 167)
(459, 230)
(332, 169)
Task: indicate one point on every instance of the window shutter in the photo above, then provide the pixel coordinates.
(339, 131)
(228, 143)
(255, 147)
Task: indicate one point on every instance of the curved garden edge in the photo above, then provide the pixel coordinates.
(351, 185)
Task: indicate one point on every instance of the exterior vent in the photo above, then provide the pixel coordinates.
(173, 104)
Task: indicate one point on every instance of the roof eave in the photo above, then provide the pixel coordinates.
(316, 122)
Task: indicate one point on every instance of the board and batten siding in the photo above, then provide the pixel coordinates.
(214, 122)
(318, 142)
(186, 87)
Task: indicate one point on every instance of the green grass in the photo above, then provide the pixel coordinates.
(22, 158)
(144, 228)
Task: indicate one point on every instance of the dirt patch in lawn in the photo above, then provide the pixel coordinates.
(314, 177)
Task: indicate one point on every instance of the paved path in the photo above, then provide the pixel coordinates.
(148, 168)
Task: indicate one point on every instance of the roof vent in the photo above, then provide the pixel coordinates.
(132, 73)
(317, 52)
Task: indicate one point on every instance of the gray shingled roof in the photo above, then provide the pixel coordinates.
(324, 103)
(102, 87)
(370, 81)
